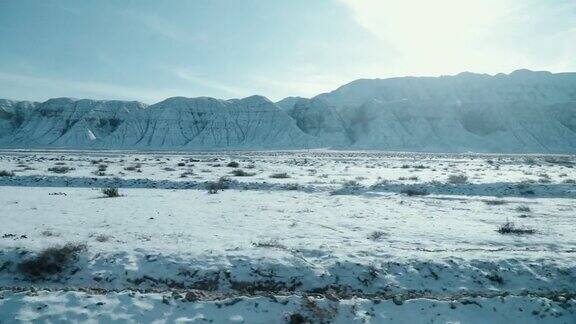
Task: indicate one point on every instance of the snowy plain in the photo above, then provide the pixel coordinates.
(289, 236)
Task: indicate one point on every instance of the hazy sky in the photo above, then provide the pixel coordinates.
(148, 50)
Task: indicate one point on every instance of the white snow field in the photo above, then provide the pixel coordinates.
(287, 237)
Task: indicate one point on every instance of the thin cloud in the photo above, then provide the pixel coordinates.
(163, 27)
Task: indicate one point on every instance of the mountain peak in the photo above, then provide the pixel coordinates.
(256, 99)
(525, 74)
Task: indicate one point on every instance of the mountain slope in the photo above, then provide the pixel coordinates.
(175, 123)
(525, 112)
(320, 119)
(522, 112)
(13, 114)
(70, 123)
(192, 123)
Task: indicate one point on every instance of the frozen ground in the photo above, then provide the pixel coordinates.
(343, 237)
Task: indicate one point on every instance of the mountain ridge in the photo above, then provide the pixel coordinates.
(521, 112)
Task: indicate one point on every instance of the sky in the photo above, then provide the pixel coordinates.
(148, 50)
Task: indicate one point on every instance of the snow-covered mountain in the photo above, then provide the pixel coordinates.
(175, 123)
(71, 123)
(320, 119)
(525, 111)
(13, 114)
(208, 123)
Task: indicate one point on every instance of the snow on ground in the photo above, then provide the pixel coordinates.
(136, 307)
(345, 237)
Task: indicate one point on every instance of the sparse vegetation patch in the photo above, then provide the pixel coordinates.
(51, 261)
(282, 175)
(4, 173)
(111, 192)
(242, 173)
(523, 209)
(413, 191)
(377, 235)
(233, 164)
(494, 202)
(511, 228)
(215, 186)
(457, 179)
(60, 169)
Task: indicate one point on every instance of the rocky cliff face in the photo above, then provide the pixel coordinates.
(13, 114)
(207, 123)
(175, 123)
(321, 120)
(70, 123)
(523, 112)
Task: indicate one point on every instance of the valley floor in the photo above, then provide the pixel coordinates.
(265, 237)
